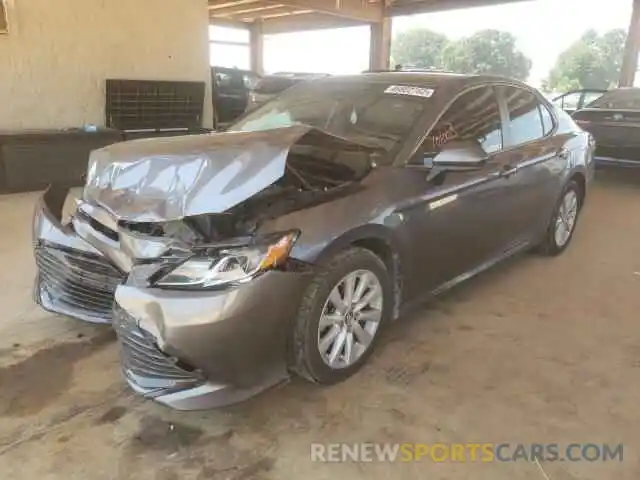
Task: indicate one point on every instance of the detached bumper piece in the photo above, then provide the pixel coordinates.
(148, 370)
(76, 283)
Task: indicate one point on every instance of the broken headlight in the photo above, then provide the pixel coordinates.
(229, 265)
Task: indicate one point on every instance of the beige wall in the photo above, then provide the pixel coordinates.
(58, 53)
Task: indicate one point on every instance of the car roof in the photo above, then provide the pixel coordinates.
(431, 79)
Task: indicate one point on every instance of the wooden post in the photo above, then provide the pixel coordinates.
(631, 49)
(380, 45)
(256, 47)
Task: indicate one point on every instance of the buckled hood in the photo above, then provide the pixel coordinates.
(165, 179)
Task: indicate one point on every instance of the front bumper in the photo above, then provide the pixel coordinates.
(188, 350)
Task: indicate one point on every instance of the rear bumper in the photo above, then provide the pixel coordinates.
(187, 350)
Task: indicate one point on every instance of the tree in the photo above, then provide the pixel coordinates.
(418, 47)
(593, 61)
(487, 52)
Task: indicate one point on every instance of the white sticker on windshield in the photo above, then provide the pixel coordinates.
(410, 90)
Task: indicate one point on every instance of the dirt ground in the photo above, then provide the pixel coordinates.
(537, 350)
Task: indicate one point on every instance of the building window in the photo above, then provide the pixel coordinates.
(229, 47)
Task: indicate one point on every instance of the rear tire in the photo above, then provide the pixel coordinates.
(563, 223)
(329, 344)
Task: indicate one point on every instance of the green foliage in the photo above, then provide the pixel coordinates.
(487, 51)
(419, 48)
(594, 61)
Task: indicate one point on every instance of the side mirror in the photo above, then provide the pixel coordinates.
(460, 155)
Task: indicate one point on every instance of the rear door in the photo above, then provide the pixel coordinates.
(536, 155)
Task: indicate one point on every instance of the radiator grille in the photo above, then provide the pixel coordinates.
(144, 360)
(77, 280)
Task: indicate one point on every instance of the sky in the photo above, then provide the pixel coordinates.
(543, 29)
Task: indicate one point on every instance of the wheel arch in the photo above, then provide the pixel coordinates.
(581, 181)
(381, 241)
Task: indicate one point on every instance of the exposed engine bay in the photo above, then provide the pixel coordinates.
(307, 182)
(315, 172)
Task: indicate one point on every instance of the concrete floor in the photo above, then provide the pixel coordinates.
(537, 350)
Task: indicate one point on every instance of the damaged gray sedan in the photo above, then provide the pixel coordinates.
(228, 261)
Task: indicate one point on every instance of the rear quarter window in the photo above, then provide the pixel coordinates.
(547, 119)
(565, 122)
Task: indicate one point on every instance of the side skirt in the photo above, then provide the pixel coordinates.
(510, 252)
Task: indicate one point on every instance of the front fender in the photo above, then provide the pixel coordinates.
(383, 241)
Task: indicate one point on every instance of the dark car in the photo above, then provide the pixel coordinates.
(577, 99)
(231, 87)
(614, 121)
(229, 261)
(270, 86)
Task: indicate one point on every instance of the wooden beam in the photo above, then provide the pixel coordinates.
(226, 22)
(235, 10)
(380, 45)
(309, 21)
(289, 13)
(403, 7)
(631, 49)
(216, 5)
(361, 10)
(351, 9)
(267, 14)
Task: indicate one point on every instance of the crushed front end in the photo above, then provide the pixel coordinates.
(184, 346)
(73, 278)
(167, 243)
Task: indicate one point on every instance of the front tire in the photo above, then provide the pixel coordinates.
(340, 316)
(564, 220)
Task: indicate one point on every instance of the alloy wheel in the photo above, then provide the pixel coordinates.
(566, 218)
(350, 319)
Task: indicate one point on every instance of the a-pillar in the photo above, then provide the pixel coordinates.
(631, 49)
(380, 45)
(256, 47)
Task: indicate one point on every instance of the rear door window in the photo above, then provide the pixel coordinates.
(525, 119)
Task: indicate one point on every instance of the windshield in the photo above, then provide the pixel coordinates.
(358, 111)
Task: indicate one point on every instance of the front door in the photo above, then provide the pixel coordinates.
(464, 218)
